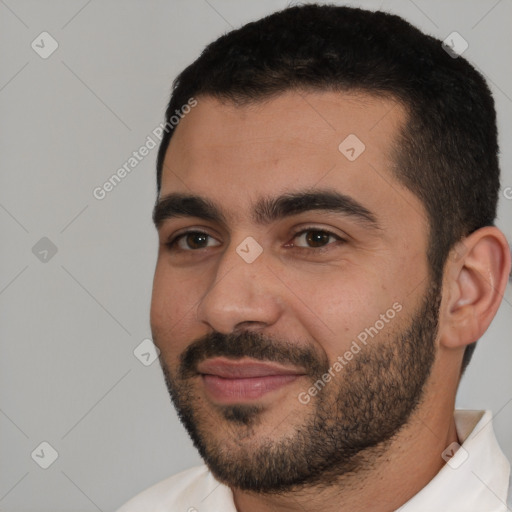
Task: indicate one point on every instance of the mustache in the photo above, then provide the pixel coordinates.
(250, 344)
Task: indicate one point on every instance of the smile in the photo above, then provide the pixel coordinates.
(229, 381)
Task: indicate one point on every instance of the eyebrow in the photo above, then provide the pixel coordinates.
(267, 209)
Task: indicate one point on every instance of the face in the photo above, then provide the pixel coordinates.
(291, 302)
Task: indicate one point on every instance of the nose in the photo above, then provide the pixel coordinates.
(241, 295)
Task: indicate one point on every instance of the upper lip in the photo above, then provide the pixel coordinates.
(244, 368)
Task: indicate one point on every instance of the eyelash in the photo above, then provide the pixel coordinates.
(172, 243)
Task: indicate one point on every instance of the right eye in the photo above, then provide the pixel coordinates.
(191, 241)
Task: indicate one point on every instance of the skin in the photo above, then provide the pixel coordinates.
(233, 155)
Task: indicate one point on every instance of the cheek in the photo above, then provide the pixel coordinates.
(172, 310)
(339, 317)
(336, 308)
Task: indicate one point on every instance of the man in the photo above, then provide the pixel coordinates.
(328, 259)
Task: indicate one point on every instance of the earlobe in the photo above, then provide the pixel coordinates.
(475, 281)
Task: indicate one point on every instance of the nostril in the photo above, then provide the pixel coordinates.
(249, 325)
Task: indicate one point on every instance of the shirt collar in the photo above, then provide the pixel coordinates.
(475, 478)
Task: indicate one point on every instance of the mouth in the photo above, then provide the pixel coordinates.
(228, 381)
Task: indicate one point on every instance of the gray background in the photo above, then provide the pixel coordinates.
(70, 324)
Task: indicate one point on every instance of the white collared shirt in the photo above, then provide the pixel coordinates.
(476, 478)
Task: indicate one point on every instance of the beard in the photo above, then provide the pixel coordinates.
(343, 429)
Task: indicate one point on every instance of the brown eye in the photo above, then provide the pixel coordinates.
(192, 241)
(315, 238)
(196, 240)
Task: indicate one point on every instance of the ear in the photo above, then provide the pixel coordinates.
(475, 279)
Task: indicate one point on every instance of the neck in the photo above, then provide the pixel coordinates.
(387, 480)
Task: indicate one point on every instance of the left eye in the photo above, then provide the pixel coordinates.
(315, 238)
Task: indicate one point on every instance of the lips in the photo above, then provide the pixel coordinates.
(228, 381)
(240, 368)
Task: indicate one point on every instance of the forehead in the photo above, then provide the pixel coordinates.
(315, 118)
(234, 154)
(292, 124)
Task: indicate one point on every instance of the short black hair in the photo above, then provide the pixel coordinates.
(447, 151)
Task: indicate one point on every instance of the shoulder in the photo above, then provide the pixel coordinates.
(182, 491)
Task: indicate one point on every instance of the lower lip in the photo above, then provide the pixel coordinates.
(243, 389)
